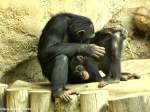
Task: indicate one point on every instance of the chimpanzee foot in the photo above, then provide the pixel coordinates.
(102, 84)
(124, 78)
(64, 95)
(110, 81)
(134, 76)
(116, 81)
(129, 76)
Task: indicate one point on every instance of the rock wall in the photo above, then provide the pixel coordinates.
(21, 23)
(136, 45)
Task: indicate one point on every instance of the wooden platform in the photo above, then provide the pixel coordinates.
(128, 96)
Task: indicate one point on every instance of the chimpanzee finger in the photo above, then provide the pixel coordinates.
(99, 53)
(63, 98)
(98, 47)
(100, 50)
(67, 98)
(96, 56)
(74, 92)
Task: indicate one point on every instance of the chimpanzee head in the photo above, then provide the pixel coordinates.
(78, 67)
(80, 30)
(81, 72)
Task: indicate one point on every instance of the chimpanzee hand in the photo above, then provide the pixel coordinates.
(81, 59)
(95, 50)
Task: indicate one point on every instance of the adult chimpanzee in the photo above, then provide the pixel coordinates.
(60, 40)
(86, 69)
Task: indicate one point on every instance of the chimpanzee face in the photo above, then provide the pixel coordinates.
(81, 33)
(84, 35)
(81, 72)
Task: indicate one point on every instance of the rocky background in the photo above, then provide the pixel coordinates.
(21, 23)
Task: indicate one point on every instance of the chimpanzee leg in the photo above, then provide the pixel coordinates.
(59, 77)
(115, 70)
(93, 70)
(127, 76)
(59, 73)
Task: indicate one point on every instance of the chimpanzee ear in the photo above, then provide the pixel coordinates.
(80, 32)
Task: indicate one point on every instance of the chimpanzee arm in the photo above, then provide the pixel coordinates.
(52, 42)
(92, 68)
(68, 49)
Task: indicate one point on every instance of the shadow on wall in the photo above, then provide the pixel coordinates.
(28, 70)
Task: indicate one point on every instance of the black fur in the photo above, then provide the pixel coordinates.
(54, 52)
(112, 40)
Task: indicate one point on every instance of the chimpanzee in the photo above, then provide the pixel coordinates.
(60, 40)
(85, 67)
(110, 63)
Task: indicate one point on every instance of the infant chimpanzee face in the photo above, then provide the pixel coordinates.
(79, 68)
(81, 72)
